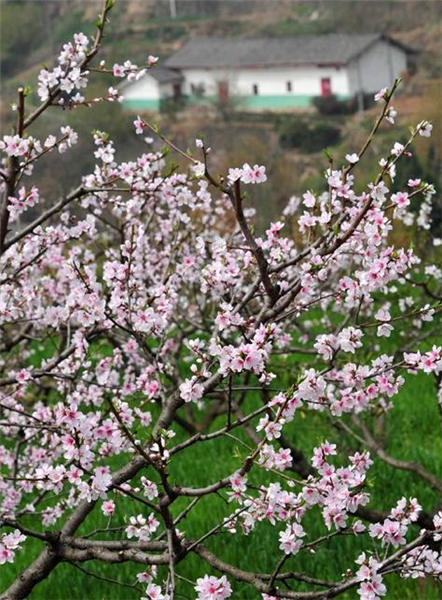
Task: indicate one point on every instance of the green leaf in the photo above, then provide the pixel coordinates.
(328, 154)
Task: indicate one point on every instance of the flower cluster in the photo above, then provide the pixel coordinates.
(347, 340)
(24, 201)
(130, 71)
(213, 588)
(372, 586)
(248, 174)
(9, 544)
(142, 528)
(393, 530)
(429, 362)
(291, 538)
(68, 75)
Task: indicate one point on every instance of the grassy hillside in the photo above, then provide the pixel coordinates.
(412, 432)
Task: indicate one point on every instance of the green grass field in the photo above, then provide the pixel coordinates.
(413, 432)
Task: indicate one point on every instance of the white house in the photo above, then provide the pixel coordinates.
(272, 73)
(147, 93)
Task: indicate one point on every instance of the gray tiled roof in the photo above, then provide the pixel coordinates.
(163, 75)
(212, 52)
(160, 74)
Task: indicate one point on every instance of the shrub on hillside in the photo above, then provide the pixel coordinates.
(332, 105)
(307, 136)
(170, 106)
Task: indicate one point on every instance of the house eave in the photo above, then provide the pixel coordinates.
(173, 78)
(260, 66)
(384, 38)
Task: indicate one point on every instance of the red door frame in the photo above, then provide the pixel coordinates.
(326, 89)
(223, 91)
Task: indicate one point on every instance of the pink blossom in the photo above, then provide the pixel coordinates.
(391, 115)
(381, 95)
(118, 70)
(213, 588)
(108, 508)
(23, 376)
(255, 174)
(139, 125)
(191, 390)
(400, 199)
(290, 539)
(6, 555)
(414, 183)
(309, 199)
(425, 128)
(150, 488)
(352, 158)
(153, 592)
(199, 169)
(238, 482)
(234, 175)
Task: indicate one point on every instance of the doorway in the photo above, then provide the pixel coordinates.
(223, 91)
(326, 89)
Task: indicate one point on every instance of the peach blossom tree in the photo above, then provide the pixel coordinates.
(139, 321)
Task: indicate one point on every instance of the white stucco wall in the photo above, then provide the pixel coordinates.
(377, 68)
(270, 81)
(146, 88)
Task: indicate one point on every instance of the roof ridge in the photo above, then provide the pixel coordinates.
(246, 51)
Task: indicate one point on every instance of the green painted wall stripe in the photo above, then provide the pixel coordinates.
(296, 100)
(244, 102)
(135, 104)
(201, 100)
(277, 102)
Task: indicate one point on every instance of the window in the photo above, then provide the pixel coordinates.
(289, 86)
(255, 89)
(198, 90)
